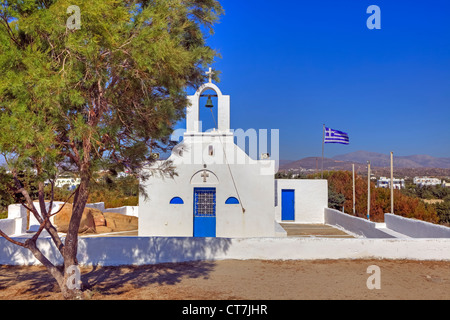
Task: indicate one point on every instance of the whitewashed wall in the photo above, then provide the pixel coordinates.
(311, 198)
(255, 190)
(16, 223)
(125, 210)
(148, 250)
(415, 228)
(357, 226)
(34, 224)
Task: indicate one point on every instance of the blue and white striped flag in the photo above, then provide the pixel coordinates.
(335, 136)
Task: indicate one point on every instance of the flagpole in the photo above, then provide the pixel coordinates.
(323, 144)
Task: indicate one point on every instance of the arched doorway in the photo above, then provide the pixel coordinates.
(204, 212)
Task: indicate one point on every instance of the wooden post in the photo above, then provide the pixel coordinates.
(392, 182)
(368, 190)
(354, 194)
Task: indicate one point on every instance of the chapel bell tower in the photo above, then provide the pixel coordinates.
(223, 111)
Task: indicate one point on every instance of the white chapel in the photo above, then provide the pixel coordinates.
(219, 191)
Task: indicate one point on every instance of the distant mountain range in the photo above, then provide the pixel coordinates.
(383, 160)
(377, 160)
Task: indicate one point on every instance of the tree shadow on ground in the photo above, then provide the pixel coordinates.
(29, 280)
(113, 280)
(36, 282)
(160, 262)
(156, 260)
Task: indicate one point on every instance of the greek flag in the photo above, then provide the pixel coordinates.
(335, 136)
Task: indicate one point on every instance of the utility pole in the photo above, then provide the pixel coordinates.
(323, 147)
(368, 190)
(392, 182)
(354, 196)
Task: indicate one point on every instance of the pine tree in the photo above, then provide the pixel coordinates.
(104, 95)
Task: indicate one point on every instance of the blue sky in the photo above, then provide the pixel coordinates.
(296, 65)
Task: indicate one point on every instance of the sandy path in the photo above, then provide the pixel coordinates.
(252, 280)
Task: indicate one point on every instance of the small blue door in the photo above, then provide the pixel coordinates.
(287, 204)
(204, 212)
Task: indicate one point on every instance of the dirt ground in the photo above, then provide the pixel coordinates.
(235, 280)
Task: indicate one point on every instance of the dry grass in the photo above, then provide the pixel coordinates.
(232, 279)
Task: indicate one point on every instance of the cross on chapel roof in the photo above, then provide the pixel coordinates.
(209, 74)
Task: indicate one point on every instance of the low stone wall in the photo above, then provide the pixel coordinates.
(126, 210)
(115, 251)
(415, 228)
(34, 223)
(279, 231)
(98, 205)
(8, 226)
(16, 223)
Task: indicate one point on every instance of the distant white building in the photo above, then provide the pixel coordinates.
(71, 183)
(123, 174)
(426, 181)
(445, 184)
(384, 182)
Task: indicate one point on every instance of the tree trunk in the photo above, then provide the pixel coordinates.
(57, 273)
(71, 242)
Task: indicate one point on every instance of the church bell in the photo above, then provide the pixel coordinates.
(209, 103)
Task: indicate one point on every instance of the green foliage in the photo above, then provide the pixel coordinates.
(113, 191)
(443, 212)
(106, 95)
(289, 175)
(341, 183)
(8, 193)
(116, 192)
(427, 192)
(335, 200)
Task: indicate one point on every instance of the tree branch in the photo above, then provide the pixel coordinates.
(4, 235)
(28, 199)
(10, 32)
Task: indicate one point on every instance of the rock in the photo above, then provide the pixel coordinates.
(120, 222)
(104, 229)
(95, 221)
(62, 220)
(99, 218)
(110, 223)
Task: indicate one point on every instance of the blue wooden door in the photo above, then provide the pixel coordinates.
(204, 212)
(287, 204)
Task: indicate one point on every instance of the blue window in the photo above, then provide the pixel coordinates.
(232, 200)
(176, 200)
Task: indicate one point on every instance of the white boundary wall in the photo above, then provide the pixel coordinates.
(34, 223)
(115, 251)
(357, 226)
(16, 223)
(415, 228)
(8, 226)
(126, 210)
